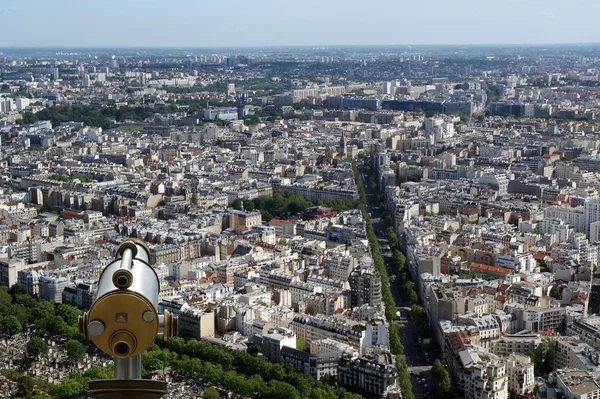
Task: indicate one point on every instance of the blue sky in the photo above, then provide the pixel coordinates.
(214, 23)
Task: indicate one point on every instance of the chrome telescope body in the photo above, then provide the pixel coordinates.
(123, 320)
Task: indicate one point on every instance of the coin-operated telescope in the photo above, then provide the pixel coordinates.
(123, 322)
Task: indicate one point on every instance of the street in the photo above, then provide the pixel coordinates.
(418, 361)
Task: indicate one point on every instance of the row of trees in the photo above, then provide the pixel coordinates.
(239, 371)
(445, 389)
(408, 288)
(444, 383)
(390, 305)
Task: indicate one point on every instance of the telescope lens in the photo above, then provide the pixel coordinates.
(122, 281)
(122, 348)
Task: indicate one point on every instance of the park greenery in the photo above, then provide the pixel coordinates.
(388, 300)
(93, 116)
(86, 178)
(287, 204)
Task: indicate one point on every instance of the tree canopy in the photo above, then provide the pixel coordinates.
(283, 205)
(75, 350)
(37, 346)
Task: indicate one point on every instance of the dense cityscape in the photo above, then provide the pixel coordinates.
(325, 222)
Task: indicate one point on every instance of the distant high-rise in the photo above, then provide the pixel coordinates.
(87, 81)
(386, 88)
(231, 89)
(55, 73)
(365, 287)
(592, 214)
(142, 79)
(343, 150)
(114, 64)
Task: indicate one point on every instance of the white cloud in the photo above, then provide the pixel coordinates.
(549, 15)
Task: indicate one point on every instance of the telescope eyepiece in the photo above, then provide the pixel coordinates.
(122, 349)
(122, 279)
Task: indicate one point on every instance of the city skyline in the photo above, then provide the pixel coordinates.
(186, 23)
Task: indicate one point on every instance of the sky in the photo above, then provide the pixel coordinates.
(241, 23)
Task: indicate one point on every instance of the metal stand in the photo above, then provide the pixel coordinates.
(129, 368)
(127, 383)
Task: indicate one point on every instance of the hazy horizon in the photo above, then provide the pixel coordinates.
(311, 23)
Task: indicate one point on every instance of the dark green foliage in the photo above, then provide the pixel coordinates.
(18, 310)
(439, 372)
(10, 325)
(210, 393)
(543, 357)
(445, 390)
(37, 346)
(28, 119)
(426, 344)
(96, 116)
(76, 384)
(283, 205)
(75, 350)
(83, 178)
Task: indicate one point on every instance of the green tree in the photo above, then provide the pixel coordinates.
(70, 314)
(392, 238)
(156, 364)
(236, 204)
(75, 350)
(248, 205)
(437, 369)
(210, 393)
(68, 388)
(543, 357)
(300, 345)
(426, 344)
(28, 119)
(10, 325)
(555, 292)
(411, 295)
(26, 386)
(445, 387)
(37, 346)
(423, 330)
(388, 221)
(266, 215)
(416, 311)
(39, 395)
